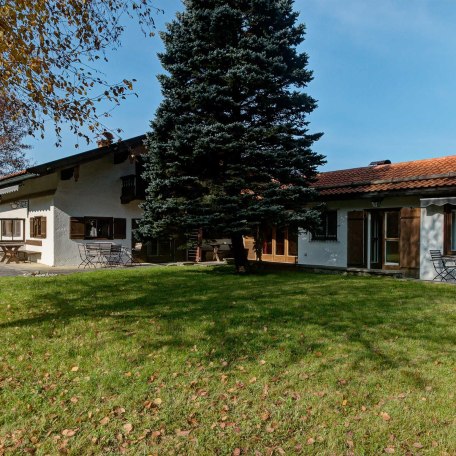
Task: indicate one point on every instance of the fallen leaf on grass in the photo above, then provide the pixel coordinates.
(236, 452)
(262, 362)
(385, 416)
(74, 368)
(310, 441)
(68, 432)
(418, 445)
(181, 433)
(104, 420)
(265, 416)
(128, 427)
(157, 401)
(74, 399)
(389, 450)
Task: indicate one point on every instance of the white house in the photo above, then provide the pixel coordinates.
(91, 196)
(386, 216)
(380, 217)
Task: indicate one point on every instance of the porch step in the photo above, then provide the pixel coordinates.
(380, 272)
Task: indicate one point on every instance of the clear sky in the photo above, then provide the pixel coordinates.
(384, 78)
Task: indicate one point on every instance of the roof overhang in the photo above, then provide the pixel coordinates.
(84, 157)
(11, 189)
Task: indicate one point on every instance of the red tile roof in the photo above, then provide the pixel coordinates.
(17, 173)
(418, 174)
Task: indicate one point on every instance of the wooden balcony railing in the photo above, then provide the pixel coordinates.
(133, 188)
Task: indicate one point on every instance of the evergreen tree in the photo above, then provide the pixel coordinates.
(230, 151)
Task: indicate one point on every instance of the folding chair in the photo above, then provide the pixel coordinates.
(444, 271)
(87, 257)
(128, 258)
(114, 257)
(93, 253)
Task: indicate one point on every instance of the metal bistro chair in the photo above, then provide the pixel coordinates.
(444, 271)
(114, 257)
(88, 258)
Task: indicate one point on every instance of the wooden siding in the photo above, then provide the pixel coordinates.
(410, 238)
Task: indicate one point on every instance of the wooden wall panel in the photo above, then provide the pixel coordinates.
(410, 238)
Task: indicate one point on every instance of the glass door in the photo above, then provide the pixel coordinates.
(391, 238)
(376, 240)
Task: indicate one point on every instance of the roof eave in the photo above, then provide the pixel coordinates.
(84, 157)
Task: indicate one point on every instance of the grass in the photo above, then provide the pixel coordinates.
(198, 361)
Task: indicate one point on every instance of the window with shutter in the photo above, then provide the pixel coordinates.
(38, 227)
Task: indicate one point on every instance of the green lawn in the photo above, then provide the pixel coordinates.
(200, 361)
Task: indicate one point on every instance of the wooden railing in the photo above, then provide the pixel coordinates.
(133, 188)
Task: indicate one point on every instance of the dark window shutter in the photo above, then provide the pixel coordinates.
(120, 228)
(32, 232)
(410, 238)
(356, 248)
(43, 227)
(77, 228)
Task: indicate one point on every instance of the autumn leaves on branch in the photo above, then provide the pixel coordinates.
(48, 57)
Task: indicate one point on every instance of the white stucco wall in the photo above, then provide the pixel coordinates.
(325, 253)
(432, 235)
(95, 194)
(42, 207)
(334, 253)
(38, 207)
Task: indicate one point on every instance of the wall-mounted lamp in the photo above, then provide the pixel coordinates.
(376, 202)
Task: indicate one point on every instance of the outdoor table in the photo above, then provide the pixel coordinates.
(10, 251)
(449, 259)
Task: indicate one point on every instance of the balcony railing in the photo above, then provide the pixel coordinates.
(133, 188)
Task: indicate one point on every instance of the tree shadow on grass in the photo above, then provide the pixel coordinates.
(234, 317)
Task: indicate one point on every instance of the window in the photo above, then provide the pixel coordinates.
(98, 228)
(12, 229)
(328, 227)
(38, 227)
(392, 237)
(450, 230)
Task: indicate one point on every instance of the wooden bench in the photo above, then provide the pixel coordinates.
(24, 254)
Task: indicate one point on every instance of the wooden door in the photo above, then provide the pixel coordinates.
(356, 245)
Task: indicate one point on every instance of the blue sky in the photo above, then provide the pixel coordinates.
(384, 78)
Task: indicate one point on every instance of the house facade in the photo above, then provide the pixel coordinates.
(89, 197)
(385, 217)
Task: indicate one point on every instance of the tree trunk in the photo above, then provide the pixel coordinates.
(239, 252)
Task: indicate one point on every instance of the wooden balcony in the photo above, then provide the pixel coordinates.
(133, 188)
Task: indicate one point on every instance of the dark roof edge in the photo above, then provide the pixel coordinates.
(15, 179)
(89, 155)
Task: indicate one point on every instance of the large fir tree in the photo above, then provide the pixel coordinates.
(230, 150)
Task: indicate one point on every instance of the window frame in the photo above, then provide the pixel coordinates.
(117, 227)
(36, 227)
(11, 238)
(387, 239)
(447, 231)
(324, 235)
